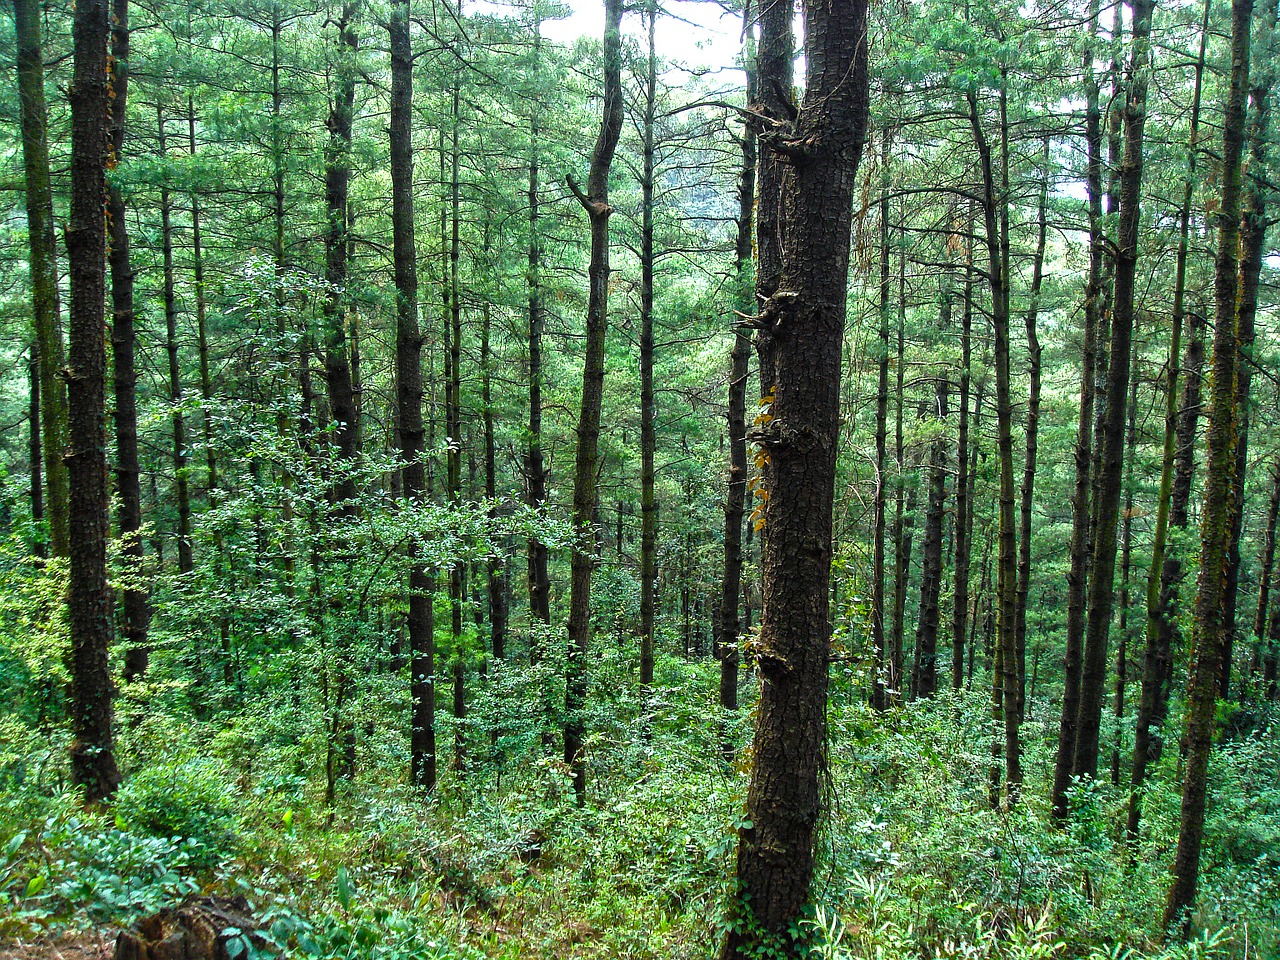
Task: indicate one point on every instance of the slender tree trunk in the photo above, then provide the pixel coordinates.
(496, 583)
(880, 681)
(202, 333)
(43, 249)
(1216, 528)
(735, 494)
(420, 619)
(339, 386)
(1267, 564)
(182, 493)
(1006, 565)
(534, 469)
(93, 766)
(1126, 556)
(1032, 424)
(1158, 634)
(904, 507)
(964, 502)
(134, 613)
(648, 413)
(924, 681)
(804, 322)
(39, 545)
(595, 201)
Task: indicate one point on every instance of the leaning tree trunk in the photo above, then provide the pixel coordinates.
(1216, 526)
(93, 766)
(595, 201)
(803, 323)
(42, 245)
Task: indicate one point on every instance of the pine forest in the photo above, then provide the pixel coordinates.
(731, 479)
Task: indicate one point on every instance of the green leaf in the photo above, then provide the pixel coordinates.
(35, 885)
(344, 889)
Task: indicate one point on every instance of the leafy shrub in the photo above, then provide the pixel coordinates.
(189, 800)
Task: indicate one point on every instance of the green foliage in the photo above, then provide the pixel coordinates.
(187, 800)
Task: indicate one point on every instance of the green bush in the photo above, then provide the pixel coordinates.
(187, 799)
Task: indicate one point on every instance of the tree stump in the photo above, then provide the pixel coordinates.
(196, 930)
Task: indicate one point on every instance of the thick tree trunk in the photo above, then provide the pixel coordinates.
(1158, 633)
(43, 249)
(803, 323)
(93, 766)
(1212, 629)
(595, 201)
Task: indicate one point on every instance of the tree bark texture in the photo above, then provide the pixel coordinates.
(93, 766)
(803, 322)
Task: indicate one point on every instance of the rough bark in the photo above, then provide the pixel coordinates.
(804, 324)
(93, 766)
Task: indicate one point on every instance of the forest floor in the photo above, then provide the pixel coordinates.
(503, 865)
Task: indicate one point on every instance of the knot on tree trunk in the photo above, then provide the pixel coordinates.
(199, 929)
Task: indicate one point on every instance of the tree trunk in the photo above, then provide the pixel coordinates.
(1032, 426)
(181, 487)
(93, 766)
(420, 619)
(804, 324)
(43, 249)
(1266, 564)
(880, 681)
(595, 201)
(964, 502)
(1006, 563)
(534, 469)
(135, 612)
(1126, 556)
(39, 545)
(1158, 634)
(1216, 530)
(648, 413)
(736, 487)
